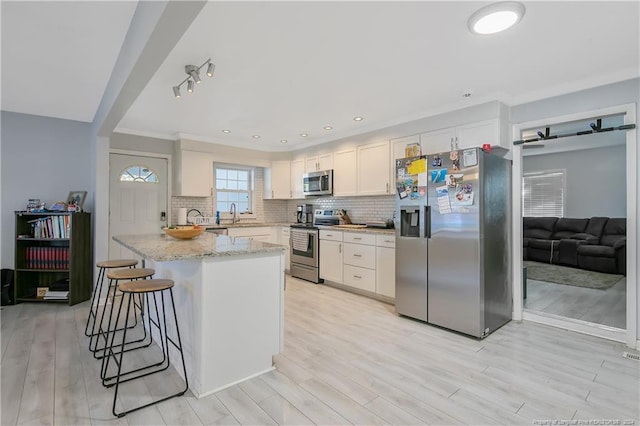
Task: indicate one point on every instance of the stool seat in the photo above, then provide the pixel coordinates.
(117, 263)
(145, 286)
(130, 274)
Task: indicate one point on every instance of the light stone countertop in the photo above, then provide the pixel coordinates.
(162, 248)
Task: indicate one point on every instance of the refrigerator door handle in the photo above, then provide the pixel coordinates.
(427, 222)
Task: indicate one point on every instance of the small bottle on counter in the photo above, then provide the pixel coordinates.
(218, 217)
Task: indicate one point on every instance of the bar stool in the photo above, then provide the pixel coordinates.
(153, 289)
(103, 266)
(114, 276)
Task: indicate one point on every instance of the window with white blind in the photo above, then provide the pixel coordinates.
(234, 184)
(543, 193)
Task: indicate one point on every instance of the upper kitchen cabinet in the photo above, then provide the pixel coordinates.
(277, 181)
(399, 146)
(318, 163)
(462, 137)
(344, 173)
(374, 169)
(193, 174)
(297, 170)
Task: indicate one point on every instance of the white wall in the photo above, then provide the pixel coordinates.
(43, 158)
(595, 179)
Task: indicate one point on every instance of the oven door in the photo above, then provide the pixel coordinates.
(304, 246)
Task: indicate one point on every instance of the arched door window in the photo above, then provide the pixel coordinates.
(139, 174)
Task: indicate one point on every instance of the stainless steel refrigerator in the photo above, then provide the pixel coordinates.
(453, 245)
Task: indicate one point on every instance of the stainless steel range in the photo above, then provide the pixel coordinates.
(305, 247)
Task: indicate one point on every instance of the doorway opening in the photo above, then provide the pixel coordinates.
(562, 285)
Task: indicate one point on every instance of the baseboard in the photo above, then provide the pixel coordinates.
(579, 326)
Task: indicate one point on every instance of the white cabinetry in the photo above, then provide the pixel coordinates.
(399, 146)
(331, 252)
(461, 137)
(193, 174)
(374, 169)
(360, 261)
(297, 170)
(285, 233)
(344, 173)
(386, 265)
(278, 180)
(258, 233)
(318, 162)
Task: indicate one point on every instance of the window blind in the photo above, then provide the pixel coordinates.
(543, 193)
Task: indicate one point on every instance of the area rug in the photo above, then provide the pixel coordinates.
(570, 276)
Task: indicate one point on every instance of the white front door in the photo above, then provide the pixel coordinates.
(137, 198)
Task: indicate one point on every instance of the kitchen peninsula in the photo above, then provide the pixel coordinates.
(229, 295)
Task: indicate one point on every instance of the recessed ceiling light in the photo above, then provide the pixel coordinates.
(284, 141)
(466, 95)
(327, 127)
(256, 136)
(496, 17)
(304, 135)
(226, 131)
(358, 118)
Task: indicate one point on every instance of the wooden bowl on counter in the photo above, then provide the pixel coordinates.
(184, 232)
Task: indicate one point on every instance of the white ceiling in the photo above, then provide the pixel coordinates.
(285, 68)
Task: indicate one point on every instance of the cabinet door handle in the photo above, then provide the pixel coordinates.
(357, 255)
(339, 248)
(387, 187)
(451, 144)
(388, 241)
(357, 276)
(272, 194)
(457, 145)
(329, 235)
(357, 238)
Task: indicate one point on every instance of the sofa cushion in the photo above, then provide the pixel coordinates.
(596, 226)
(596, 251)
(614, 230)
(538, 227)
(583, 236)
(566, 227)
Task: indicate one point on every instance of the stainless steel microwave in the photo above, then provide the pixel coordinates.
(318, 183)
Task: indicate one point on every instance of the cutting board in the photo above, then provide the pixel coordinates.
(350, 226)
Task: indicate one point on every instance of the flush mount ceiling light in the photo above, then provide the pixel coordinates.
(304, 135)
(226, 131)
(193, 76)
(327, 127)
(256, 136)
(496, 17)
(358, 118)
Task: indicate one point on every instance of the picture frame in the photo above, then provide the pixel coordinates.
(76, 199)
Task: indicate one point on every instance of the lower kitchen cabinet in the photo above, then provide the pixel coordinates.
(331, 252)
(386, 265)
(362, 278)
(255, 233)
(362, 260)
(285, 235)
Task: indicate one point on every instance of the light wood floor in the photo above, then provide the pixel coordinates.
(606, 307)
(347, 360)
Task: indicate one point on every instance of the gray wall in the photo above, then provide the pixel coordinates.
(595, 179)
(42, 158)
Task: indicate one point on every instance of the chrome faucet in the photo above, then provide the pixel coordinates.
(232, 210)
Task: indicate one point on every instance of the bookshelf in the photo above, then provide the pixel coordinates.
(53, 257)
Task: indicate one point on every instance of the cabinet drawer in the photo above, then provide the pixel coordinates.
(360, 255)
(360, 238)
(330, 235)
(249, 231)
(362, 278)
(386, 240)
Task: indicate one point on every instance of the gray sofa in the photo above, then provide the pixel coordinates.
(596, 244)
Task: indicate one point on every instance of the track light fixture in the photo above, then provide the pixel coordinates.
(193, 76)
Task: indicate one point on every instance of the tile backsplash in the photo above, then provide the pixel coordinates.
(359, 209)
